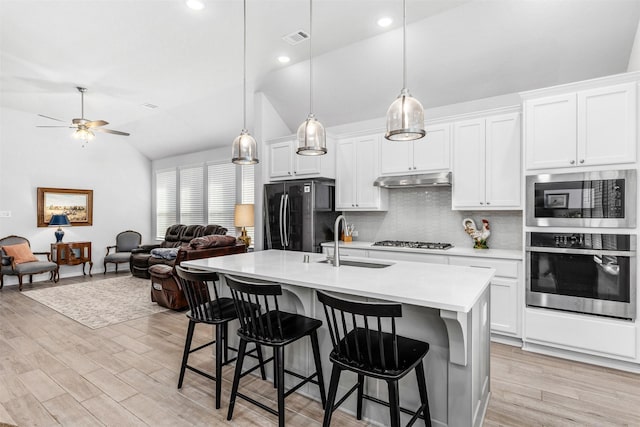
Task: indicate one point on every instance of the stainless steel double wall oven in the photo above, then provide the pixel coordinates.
(582, 265)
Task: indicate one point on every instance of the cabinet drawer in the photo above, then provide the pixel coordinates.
(504, 268)
(346, 251)
(408, 256)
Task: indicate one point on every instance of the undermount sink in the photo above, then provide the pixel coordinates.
(365, 264)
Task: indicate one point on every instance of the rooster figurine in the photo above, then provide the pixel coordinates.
(479, 236)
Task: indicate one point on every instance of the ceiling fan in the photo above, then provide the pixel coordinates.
(84, 127)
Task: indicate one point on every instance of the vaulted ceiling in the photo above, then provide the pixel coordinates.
(189, 63)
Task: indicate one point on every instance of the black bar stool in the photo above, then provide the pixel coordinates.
(360, 346)
(262, 322)
(217, 311)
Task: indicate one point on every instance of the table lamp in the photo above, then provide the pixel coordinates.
(244, 218)
(61, 220)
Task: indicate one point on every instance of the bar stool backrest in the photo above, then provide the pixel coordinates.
(194, 284)
(257, 307)
(356, 330)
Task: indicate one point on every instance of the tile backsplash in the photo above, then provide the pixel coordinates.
(424, 214)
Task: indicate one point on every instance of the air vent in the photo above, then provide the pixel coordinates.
(148, 105)
(296, 37)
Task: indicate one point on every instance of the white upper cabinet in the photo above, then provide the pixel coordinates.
(356, 170)
(584, 128)
(285, 163)
(486, 163)
(431, 153)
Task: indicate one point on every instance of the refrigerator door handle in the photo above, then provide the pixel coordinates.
(281, 215)
(287, 219)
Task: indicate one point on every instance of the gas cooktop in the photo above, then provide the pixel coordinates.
(413, 245)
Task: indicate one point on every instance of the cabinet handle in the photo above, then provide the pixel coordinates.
(481, 203)
(414, 168)
(288, 173)
(582, 161)
(409, 167)
(357, 205)
(573, 162)
(488, 203)
(479, 266)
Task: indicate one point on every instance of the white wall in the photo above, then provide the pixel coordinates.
(33, 157)
(634, 57)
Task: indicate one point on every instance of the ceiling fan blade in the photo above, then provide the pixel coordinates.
(69, 127)
(96, 123)
(47, 117)
(115, 132)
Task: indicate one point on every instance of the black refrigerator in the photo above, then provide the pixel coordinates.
(299, 215)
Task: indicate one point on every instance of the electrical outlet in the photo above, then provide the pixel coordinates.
(5, 214)
(355, 233)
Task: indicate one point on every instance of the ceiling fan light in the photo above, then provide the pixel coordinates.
(405, 118)
(84, 134)
(312, 140)
(244, 150)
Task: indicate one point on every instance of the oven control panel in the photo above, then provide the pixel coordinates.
(612, 242)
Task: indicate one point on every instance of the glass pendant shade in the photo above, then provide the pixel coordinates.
(312, 139)
(405, 118)
(245, 149)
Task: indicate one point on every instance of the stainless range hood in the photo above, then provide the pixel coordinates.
(422, 180)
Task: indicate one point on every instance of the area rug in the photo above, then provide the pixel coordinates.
(100, 303)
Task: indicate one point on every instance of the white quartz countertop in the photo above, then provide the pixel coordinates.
(445, 287)
(455, 251)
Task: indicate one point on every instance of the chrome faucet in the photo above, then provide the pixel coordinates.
(336, 238)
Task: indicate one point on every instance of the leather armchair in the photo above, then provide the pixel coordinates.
(165, 285)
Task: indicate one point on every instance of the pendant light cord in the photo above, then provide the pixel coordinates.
(310, 57)
(244, 69)
(404, 44)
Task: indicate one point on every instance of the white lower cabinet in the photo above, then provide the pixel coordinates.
(506, 292)
(581, 333)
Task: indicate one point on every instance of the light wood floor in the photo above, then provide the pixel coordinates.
(54, 371)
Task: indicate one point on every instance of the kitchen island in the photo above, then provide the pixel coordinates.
(445, 305)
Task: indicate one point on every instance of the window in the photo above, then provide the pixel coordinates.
(191, 195)
(202, 194)
(166, 198)
(248, 193)
(221, 192)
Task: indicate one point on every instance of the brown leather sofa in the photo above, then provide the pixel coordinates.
(176, 236)
(165, 285)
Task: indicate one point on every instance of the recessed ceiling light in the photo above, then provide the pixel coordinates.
(195, 4)
(385, 21)
(284, 59)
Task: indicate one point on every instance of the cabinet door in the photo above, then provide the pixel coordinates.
(432, 152)
(395, 157)
(468, 164)
(502, 172)
(607, 120)
(280, 160)
(305, 165)
(366, 162)
(345, 174)
(550, 132)
(504, 306)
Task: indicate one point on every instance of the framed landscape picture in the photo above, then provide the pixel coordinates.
(76, 204)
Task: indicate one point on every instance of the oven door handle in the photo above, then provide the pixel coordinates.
(598, 252)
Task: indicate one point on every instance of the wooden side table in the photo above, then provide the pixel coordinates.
(72, 253)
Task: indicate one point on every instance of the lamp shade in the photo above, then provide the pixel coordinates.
(244, 215)
(60, 220)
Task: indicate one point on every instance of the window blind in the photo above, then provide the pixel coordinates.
(191, 195)
(248, 192)
(221, 192)
(165, 201)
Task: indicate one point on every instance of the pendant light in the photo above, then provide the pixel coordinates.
(405, 117)
(312, 140)
(245, 149)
